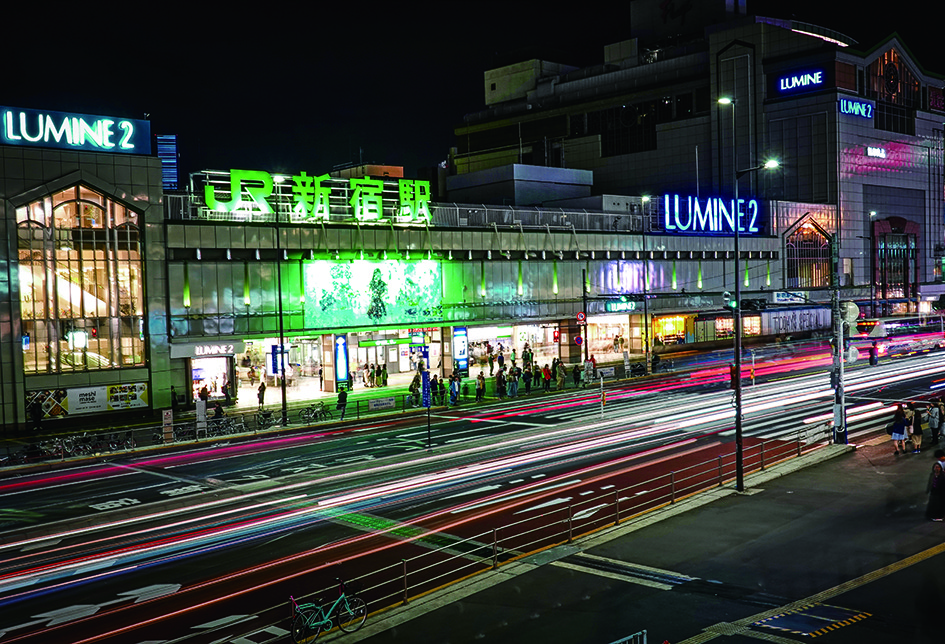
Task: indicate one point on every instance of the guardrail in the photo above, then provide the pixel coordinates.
(458, 557)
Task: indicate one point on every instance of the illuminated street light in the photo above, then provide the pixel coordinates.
(736, 311)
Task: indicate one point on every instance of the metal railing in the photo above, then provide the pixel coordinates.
(452, 558)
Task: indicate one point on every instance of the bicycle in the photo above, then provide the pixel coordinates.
(314, 412)
(264, 419)
(309, 620)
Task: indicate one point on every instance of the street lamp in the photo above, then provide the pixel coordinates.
(736, 312)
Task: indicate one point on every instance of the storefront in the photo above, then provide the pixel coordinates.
(540, 341)
(79, 192)
(209, 365)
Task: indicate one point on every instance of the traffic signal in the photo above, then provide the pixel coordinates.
(729, 301)
(733, 376)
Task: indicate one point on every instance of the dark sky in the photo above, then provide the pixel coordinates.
(308, 89)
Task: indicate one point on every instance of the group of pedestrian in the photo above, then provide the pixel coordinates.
(907, 425)
(373, 375)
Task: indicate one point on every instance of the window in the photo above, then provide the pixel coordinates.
(80, 275)
(808, 258)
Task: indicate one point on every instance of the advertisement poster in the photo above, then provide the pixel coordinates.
(362, 292)
(57, 403)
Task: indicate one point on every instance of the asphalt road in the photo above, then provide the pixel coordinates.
(176, 542)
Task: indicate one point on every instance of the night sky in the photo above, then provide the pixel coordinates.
(307, 89)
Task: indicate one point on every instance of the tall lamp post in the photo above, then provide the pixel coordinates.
(736, 312)
(282, 349)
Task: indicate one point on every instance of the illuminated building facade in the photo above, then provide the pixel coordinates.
(858, 134)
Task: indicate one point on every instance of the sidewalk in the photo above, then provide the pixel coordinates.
(835, 541)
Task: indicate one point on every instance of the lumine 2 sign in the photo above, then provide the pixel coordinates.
(313, 197)
(714, 215)
(74, 131)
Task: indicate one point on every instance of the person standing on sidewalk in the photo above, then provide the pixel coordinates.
(916, 427)
(898, 431)
(935, 510)
(480, 386)
(935, 420)
(261, 394)
(342, 403)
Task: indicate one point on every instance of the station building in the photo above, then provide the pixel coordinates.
(604, 196)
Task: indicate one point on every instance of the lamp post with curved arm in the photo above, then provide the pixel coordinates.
(736, 312)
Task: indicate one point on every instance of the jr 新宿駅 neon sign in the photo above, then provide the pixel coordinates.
(713, 215)
(313, 198)
(83, 132)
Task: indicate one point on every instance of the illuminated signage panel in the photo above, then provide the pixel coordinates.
(856, 108)
(798, 81)
(68, 131)
(305, 198)
(711, 216)
(372, 293)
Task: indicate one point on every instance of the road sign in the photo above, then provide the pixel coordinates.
(581, 316)
(578, 339)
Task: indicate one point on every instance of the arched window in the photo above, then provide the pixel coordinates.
(80, 275)
(808, 257)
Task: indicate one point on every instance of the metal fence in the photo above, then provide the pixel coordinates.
(459, 557)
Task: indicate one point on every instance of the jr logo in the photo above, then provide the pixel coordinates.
(252, 179)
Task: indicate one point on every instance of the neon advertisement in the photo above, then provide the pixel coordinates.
(74, 131)
(372, 293)
(713, 215)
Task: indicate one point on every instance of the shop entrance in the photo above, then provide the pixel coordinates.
(215, 374)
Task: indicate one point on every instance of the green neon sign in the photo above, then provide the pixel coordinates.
(310, 198)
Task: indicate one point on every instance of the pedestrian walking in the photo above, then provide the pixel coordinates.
(935, 509)
(897, 431)
(562, 375)
(491, 365)
(261, 394)
(342, 403)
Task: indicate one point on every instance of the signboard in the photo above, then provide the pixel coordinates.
(276, 353)
(710, 216)
(461, 350)
(207, 349)
(853, 107)
(425, 380)
(788, 297)
(380, 404)
(606, 372)
(255, 194)
(619, 306)
(341, 359)
(57, 403)
(799, 81)
(70, 131)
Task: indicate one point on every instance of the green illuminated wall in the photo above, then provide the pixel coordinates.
(372, 293)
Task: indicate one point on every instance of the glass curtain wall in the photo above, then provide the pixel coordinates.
(80, 273)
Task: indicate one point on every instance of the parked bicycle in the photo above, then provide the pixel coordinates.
(348, 611)
(264, 419)
(315, 412)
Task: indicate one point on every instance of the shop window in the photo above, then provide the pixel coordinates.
(81, 283)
